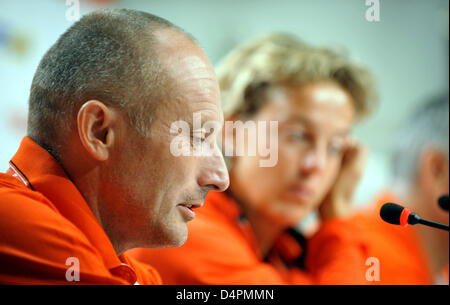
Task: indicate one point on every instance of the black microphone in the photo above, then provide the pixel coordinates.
(398, 215)
(443, 202)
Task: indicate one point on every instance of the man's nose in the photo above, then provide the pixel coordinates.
(214, 174)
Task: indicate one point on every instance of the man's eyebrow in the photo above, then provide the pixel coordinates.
(202, 122)
(212, 118)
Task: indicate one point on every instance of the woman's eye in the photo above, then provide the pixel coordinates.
(296, 136)
(336, 147)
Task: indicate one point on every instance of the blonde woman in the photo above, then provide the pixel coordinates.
(247, 235)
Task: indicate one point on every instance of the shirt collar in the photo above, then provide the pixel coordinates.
(44, 174)
(290, 246)
(227, 205)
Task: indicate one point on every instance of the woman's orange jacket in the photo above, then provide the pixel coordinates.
(221, 249)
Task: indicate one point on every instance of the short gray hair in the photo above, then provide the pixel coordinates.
(427, 127)
(109, 55)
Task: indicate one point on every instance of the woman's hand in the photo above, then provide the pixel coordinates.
(338, 202)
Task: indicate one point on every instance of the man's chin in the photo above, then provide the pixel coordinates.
(177, 242)
(176, 238)
(164, 236)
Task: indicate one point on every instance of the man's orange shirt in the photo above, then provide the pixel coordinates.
(45, 224)
(221, 249)
(399, 250)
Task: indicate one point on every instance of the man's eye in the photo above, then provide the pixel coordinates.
(199, 135)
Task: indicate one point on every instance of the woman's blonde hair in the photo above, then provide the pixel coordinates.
(281, 58)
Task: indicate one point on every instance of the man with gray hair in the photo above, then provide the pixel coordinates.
(420, 165)
(94, 176)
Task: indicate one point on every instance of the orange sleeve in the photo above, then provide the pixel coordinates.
(337, 254)
(35, 243)
(216, 254)
(402, 258)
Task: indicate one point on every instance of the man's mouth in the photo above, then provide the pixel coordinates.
(187, 209)
(192, 205)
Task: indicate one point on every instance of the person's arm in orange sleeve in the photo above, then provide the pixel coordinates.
(337, 254)
(35, 243)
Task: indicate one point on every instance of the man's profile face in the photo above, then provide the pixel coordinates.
(155, 188)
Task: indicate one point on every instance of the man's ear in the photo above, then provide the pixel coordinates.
(434, 167)
(95, 128)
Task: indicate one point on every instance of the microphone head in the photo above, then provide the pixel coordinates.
(443, 202)
(390, 212)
